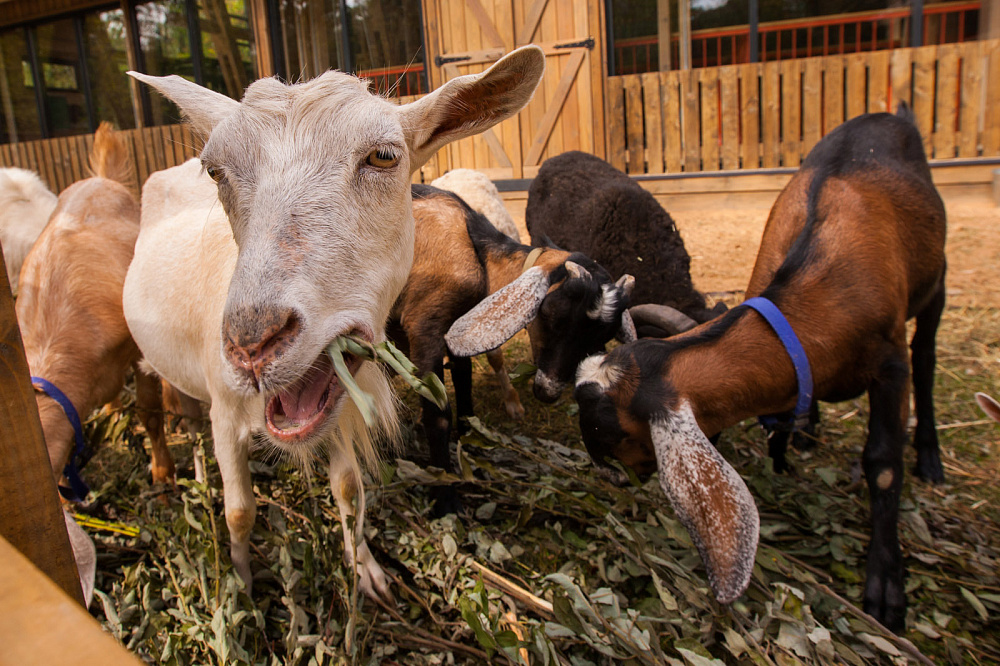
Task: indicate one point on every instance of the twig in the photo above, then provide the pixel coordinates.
(416, 597)
(539, 605)
(902, 643)
(428, 639)
(964, 424)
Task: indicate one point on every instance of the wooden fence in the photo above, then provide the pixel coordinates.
(63, 161)
(766, 115)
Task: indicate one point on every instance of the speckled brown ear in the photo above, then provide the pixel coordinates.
(710, 499)
(499, 316)
(989, 405)
(627, 333)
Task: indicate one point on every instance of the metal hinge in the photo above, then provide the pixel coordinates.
(589, 43)
(439, 61)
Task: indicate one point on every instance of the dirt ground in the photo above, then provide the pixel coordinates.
(723, 245)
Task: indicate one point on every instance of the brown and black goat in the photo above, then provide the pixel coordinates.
(468, 274)
(853, 248)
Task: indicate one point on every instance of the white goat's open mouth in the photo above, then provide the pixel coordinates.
(300, 410)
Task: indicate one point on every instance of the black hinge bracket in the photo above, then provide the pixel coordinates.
(439, 61)
(588, 43)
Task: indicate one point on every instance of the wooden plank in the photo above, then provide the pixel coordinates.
(534, 15)
(750, 94)
(770, 105)
(652, 112)
(39, 622)
(6, 158)
(855, 90)
(616, 122)
(73, 159)
(554, 107)
(141, 165)
(812, 104)
(971, 98)
(492, 37)
(633, 124)
(709, 119)
(673, 144)
(570, 119)
(924, 83)
(31, 517)
(690, 120)
(791, 113)
(991, 122)
(878, 82)
(729, 94)
(46, 160)
(901, 77)
(946, 102)
(83, 153)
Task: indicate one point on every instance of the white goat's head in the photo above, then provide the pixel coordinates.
(315, 179)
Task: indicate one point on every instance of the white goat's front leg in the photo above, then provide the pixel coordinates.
(231, 451)
(511, 400)
(345, 482)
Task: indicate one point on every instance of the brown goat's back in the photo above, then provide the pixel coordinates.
(109, 157)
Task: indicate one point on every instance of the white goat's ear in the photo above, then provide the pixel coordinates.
(499, 316)
(627, 332)
(989, 405)
(203, 108)
(470, 104)
(710, 499)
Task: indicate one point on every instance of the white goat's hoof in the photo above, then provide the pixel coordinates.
(374, 583)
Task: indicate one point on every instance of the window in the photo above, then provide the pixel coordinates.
(104, 41)
(18, 104)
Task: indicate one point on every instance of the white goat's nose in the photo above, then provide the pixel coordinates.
(255, 337)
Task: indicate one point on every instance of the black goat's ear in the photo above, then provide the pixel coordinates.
(710, 499)
(499, 316)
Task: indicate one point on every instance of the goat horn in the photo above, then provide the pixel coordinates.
(672, 320)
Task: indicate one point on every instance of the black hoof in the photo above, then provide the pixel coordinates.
(929, 467)
(446, 501)
(885, 600)
(804, 441)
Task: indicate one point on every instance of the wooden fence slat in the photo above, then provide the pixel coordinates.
(75, 163)
(729, 93)
(653, 115)
(633, 124)
(791, 114)
(857, 73)
(901, 77)
(6, 155)
(750, 114)
(946, 102)
(812, 104)
(923, 93)
(770, 105)
(43, 152)
(709, 119)
(616, 122)
(139, 153)
(878, 82)
(991, 123)
(670, 98)
(971, 98)
(690, 120)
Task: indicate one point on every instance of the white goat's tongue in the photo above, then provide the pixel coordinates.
(304, 398)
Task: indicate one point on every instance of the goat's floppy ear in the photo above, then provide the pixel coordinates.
(470, 104)
(710, 499)
(499, 316)
(203, 108)
(989, 405)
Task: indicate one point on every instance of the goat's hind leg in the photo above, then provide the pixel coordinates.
(149, 405)
(925, 438)
(345, 482)
(884, 596)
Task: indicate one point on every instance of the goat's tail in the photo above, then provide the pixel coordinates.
(109, 158)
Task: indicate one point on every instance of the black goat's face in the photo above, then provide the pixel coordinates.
(577, 318)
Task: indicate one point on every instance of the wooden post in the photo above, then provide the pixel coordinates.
(663, 24)
(989, 20)
(39, 624)
(684, 19)
(261, 38)
(31, 518)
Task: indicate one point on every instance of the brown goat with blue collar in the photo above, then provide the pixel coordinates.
(853, 248)
(475, 287)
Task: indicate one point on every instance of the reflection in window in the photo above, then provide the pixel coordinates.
(18, 108)
(65, 99)
(107, 61)
(383, 39)
(226, 46)
(166, 49)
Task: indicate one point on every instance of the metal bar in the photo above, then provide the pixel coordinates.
(194, 40)
(39, 77)
(81, 50)
(754, 18)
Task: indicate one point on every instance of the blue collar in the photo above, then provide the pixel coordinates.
(72, 474)
(797, 354)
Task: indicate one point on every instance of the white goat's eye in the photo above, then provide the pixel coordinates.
(382, 158)
(215, 173)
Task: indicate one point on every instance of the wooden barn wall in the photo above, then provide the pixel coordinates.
(770, 115)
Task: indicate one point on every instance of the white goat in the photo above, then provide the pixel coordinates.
(25, 207)
(315, 181)
(477, 190)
